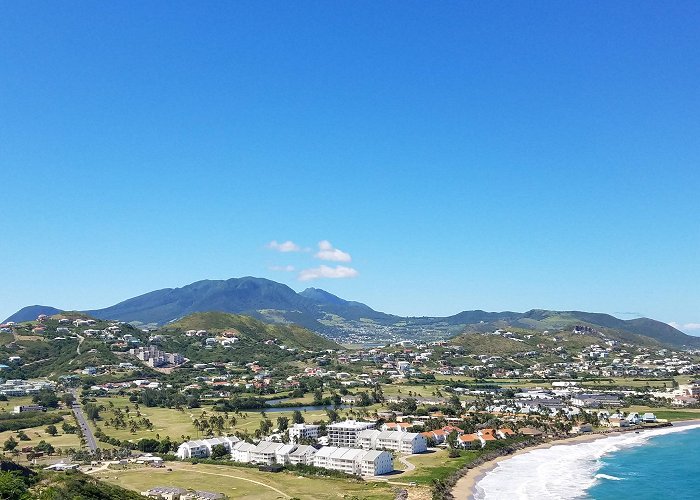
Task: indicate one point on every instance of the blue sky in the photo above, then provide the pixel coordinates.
(493, 155)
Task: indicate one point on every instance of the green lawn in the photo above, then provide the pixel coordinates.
(61, 441)
(174, 423)
(166, 421)
(415, 389)
(667, 414)
(246, 483)
(10, 404)
(436, 465)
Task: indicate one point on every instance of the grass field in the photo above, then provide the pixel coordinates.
(167, 421)
(245, 483)
(667, 414)
(403, 390)
(174, 423)
(436, 465)
(60, 441)
(15, 401)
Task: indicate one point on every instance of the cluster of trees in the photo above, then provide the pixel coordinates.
(238, 403)
(11, 445)
(149, 445)
(46, 397)
(17, 421)
(125, 419)
(214, 424)
(167, 398)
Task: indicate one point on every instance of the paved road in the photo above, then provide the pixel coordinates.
(80, 417)
(409, 465)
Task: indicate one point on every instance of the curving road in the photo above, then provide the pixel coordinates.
(409, 465)
(80, 417)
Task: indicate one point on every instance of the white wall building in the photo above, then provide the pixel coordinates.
(241, 452)
(375, 463)
(403, 442)
(354, 460)
(344, 434)
(202, 448)
(304, 454)
(265, 452)
(302, 431)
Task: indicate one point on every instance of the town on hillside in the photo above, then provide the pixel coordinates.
(248, 407)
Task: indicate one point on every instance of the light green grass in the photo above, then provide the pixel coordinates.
(175, 424)
(666, 413)
(436, 465)
(61, 441)
(236, 483)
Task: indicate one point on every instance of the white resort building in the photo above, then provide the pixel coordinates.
(344, 434)
(202, 448)
(349, 460)
(403, 442)
(302, 431)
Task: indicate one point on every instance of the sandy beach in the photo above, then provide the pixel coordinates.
(464, 488)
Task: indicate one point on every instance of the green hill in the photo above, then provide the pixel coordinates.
(251, 329)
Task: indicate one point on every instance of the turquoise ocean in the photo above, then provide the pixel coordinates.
(654, 464)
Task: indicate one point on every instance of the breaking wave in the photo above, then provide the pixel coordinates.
(564, 471)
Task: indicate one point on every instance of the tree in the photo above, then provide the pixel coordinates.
(68, 428)
(297, 417)
(452, 439)
(68, 399)
(218, 451)
(282, 424)
(265, 426)
(333, 415)
(10, 444)
(51, 429)
(12, 486)
(45, 397)
(92, 411)
(148, 445)
(45, 447)
(22, 436)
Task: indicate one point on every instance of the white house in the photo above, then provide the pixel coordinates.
(282, 453)
(241, 452)
(376, 463)
(648, 418)
(345, 433)
(304, 454)
(202, 448)
(346, 460)
(265, 452)
(298, 432)
(403, 442)
(354, 461)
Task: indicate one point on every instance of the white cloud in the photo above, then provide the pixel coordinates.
(327, 272)
(685, 327)
(287, 246)
(327, 252)
(287, 269)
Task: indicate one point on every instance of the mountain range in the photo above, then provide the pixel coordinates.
(335, 317)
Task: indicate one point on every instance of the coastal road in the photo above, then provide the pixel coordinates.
(80, 417)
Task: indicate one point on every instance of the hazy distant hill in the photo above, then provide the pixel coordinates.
(333, 316)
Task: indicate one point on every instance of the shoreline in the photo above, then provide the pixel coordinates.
(464, 487)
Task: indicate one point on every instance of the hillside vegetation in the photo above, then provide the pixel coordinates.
(348, 321)
(248, 328)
